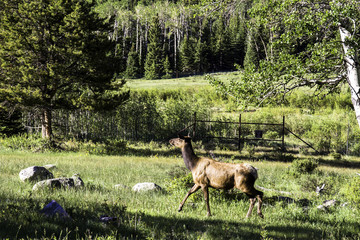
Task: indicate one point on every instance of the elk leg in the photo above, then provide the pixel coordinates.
(192, 190)
(206, 197)
(252, 203)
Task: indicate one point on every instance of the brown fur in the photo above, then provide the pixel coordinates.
(207, 173)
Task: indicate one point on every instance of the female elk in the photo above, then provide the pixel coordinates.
(207, 173)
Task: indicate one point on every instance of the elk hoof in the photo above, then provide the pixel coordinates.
(261, 215)
(180, 208)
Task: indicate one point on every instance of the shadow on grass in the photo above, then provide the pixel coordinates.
(21, 218)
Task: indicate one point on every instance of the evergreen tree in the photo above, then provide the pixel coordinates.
(187, 56)
(167, 68)
(56, 54)
(222, 46)
(238, 38)
(201, 57)
(132, 66)
(255, 50)
(154, 58)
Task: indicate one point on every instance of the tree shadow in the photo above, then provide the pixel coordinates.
(85, 223)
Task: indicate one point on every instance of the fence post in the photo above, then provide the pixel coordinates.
(239, 132)
(283, 135)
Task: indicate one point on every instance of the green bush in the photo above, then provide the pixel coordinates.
(181, 182)
(302, 166)
(25, 142)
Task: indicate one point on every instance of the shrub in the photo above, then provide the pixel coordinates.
(301, 166)
(25, 142)
(182, 182)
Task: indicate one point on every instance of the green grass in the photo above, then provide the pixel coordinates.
(168, 84)
(183, 83)
(154, 215)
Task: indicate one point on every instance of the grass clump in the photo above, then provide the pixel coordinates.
(351, 190)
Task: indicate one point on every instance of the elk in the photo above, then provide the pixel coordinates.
(207, 172)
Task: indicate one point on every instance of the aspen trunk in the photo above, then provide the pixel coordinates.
(352, 71)
(46, 127)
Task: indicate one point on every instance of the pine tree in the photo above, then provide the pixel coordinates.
(167, 68)
(154, 58)
(254, 47)
(238, 38)
(251, 57)
(187, 56)
(56, 54)
(201, 56)
(222, 46)
(132, 66)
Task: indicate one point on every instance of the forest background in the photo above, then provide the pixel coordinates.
(166, 39)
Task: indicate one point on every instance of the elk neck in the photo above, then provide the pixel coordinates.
(190, 159)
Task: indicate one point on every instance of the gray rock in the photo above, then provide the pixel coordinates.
(57, 183)
(35, 173)
(146, 187)
(54, 209)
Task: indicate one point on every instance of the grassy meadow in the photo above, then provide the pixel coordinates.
(154, 215)
(289, 179)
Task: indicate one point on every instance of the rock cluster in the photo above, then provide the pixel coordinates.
(45, 179)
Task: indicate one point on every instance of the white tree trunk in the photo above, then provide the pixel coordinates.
(352, 72)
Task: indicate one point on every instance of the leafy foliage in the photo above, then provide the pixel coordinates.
(301, 48)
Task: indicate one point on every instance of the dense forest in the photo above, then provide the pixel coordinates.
(159, 39)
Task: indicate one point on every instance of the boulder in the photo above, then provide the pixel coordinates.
(35, 173)
(146, 187)
(57, 183)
